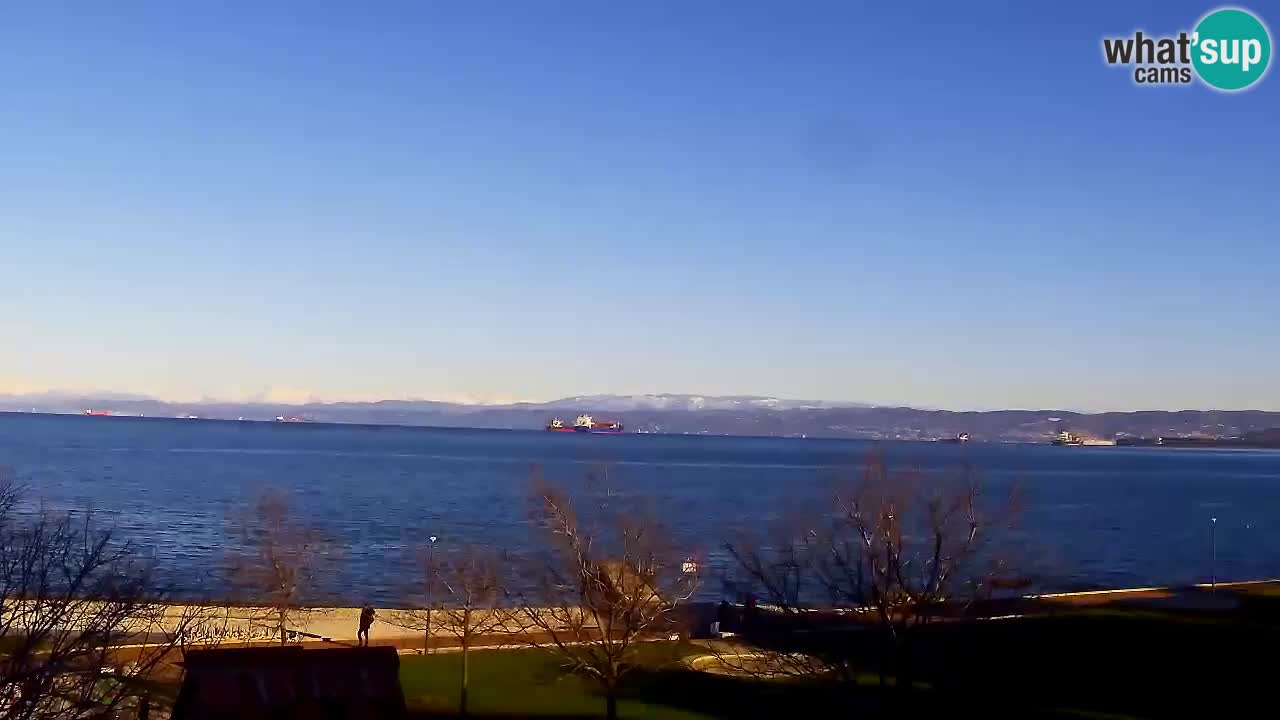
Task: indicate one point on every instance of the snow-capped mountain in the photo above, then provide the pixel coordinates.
(691, 403)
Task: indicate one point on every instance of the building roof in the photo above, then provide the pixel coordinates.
(290, 683)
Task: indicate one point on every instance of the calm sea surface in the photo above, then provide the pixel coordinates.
(1092, 516)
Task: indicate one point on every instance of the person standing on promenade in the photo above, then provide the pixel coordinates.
(366, 622)
(723, 622)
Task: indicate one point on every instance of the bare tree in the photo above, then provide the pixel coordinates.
(278, 563)
(895, 550)
(83, 626)
(471, 584)
(601, 587)
(787, 568)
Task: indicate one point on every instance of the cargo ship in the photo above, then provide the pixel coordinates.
(1071, 439)
(586, 424)
(1258, 439)
(109, 413)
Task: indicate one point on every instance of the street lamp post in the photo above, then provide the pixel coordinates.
(1213, 543)
(431, 584)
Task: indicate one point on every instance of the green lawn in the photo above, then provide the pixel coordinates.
(1089, 664)
(520, 683)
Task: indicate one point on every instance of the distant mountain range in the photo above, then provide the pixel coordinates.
(694, 414)
(690, 403)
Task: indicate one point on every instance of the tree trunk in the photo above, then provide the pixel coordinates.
(284, 635)
(462, 701)
(426, 638)
(611, 704)
(884, 656)
(906, 665)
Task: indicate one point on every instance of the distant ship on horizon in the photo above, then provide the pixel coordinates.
(1067, 438)
(91, 412)
(586, 424)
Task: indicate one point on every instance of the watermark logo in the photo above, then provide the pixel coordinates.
(1229, 50)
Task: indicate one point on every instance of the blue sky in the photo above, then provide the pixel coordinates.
(919, 203)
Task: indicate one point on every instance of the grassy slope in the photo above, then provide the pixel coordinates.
(521, 682)
(1100, 663)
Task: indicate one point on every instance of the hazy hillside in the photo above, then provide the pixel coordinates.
(737, 415)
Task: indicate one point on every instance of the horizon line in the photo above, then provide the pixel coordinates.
(102, 396)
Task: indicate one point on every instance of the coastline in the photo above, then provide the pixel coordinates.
(878, 423)
(220, 624)
(1168, 443)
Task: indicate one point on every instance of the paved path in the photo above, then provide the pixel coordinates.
(231, 625)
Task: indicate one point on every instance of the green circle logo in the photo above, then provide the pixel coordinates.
(1231, 49)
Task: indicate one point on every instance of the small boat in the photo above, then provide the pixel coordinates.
(961, 438)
